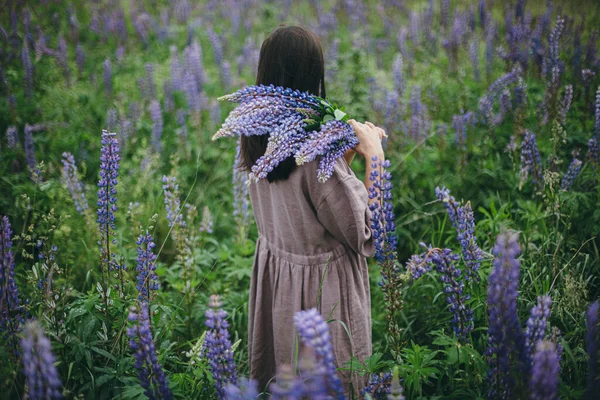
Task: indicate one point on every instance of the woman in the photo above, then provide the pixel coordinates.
(310, 233)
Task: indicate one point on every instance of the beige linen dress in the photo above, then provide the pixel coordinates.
(309, 231)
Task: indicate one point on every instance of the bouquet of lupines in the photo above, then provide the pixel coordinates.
(299, 124)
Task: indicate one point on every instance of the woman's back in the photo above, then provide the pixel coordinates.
(313, 239)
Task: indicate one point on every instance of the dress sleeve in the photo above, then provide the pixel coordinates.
(344, 212)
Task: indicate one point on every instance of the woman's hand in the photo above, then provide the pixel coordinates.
(369, 137)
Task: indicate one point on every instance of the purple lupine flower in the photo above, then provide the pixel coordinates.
(571, 174)
(176, 70)
(593, 153)
(240, 191)
(536, 327)
(284, 114)
(379, 386)
(107, 77)
(551, 64)
(462, 315)
(134, 112)
(27, 70)
(12, 137)
(80, 58)
(333, 138)
(287, 385)
(34, 172)
(148, 87)
(11, 310)
(414, 27)
(157, 124)
(41, 376)
(460, 123)
(107, 196)
(194, 64)
(597, 113)
(543, 383)
(147, 280)
(125, 130)
(490, 34)
(182, 9)
(314, 333)
(246, 390)
(474, 56)
(226, 75)
(172, 202)
(531, 161)
(398, 71)
(169, 101)
(61, 56)
(463, 220)
(192, 95)
(217, 46)
(151, 375)
(565, 103)
(505, 343)
(382, 212)
(496, 89)
(592, 342)
(217, 347)
(74, 184)
(418, 264)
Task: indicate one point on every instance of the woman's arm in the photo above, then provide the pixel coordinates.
(369, 137)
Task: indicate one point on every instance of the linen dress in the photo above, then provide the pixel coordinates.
(309, 232)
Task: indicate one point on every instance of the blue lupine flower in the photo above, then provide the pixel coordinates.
(217, 347)
(379, 386)
(462, 315)
(41, 376)
(147, 280)
(107, 195)
(284, 114)
(594, 151)
(172, 202)
(543, 383)
(531, 161)
(597, 113)
(382, 212)
(505, 340)
(287, 385)
(460, 123)
(151, 375)
(537, 324)
(27, 70)
(157, 124)
(80, 58)
(247, 390)
(314, 333)
(11, 310)
(486, 102)
(572, 172)
(592, 340)
(107, 77)
(74, 184)
(463, 220)
(12, 137)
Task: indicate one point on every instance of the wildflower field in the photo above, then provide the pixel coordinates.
(127, 238)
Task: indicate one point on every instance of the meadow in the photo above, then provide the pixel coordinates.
(128, 238)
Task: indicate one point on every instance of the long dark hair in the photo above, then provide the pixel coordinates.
(292, 57)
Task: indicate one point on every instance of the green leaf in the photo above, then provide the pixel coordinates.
(327, 118)
(339, 114)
